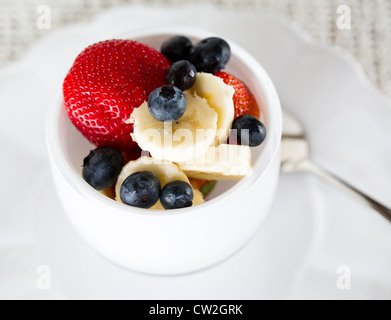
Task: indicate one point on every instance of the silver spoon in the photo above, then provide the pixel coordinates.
(295, 157)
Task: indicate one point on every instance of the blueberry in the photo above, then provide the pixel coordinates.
(182, 75)
(177, 195)
(167, 103)
(251, 132)
(141, 190)
(177, 48)
(102, 167)
(210, 55)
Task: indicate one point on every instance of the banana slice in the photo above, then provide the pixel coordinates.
(225, 162)
(198, 197)
(166, 172)
(220, 97)
(181, 140)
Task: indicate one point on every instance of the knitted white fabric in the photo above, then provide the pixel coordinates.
(369, 39)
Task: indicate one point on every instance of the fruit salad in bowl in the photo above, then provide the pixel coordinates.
(165, 148)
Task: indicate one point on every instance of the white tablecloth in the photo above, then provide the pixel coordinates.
(369, 40)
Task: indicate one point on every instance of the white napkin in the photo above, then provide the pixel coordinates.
(312, 230)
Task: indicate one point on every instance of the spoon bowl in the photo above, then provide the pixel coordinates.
(295, 157)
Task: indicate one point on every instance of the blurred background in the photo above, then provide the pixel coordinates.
(368, 40)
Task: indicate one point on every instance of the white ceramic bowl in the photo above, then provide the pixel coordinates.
(170, 242)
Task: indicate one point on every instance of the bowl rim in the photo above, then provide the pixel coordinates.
(61, 161)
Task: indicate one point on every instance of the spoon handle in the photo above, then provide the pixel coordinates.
(310, 167)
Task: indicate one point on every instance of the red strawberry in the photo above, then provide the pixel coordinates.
(107, 81)
(244, 100)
